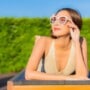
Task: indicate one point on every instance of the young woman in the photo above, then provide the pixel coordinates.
(65, 51)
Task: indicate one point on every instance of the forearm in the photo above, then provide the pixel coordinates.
(44, 76)
(80, 65)
(35, 75)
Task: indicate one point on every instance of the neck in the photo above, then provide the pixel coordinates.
(63, 42)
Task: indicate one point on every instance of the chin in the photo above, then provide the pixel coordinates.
(57, 34)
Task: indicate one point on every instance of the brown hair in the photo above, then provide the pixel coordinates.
(75, 15)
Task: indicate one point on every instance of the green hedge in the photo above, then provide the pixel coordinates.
(17, 39)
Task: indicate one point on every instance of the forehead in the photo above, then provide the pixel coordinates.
(63, 13)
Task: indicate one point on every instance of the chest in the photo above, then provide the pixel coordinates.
(61, 58)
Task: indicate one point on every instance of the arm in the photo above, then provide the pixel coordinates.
(81, 51)
(81, 58)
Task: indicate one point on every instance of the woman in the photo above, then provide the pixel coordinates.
(65, 52)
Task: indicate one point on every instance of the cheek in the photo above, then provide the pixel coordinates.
(64, 27)
(67, 29)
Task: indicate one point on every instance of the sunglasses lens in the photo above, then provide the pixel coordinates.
(53, 19)
(62, 20)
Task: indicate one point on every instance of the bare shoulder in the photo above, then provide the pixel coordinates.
(83, 41)
(83, 45)
(42, 39)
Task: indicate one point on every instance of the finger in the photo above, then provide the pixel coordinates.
(72, 25)
(71, 31)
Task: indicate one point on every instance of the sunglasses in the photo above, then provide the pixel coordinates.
(61, 19)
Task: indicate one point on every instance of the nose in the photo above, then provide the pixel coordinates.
(56, 23)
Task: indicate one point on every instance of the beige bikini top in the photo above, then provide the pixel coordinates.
(50, 62)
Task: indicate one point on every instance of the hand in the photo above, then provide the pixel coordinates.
(75, 32)
(78, 78)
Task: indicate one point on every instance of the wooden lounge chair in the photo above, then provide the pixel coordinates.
(19, 83)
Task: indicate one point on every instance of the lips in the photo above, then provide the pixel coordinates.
(56, 28)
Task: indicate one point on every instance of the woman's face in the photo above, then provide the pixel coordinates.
(60, 22)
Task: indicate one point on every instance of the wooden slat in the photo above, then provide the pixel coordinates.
(51, 87)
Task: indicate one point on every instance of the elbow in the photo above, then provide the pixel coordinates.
(82, 72)
(85, 74)
(28, 75)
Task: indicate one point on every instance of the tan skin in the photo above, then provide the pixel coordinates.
(62, 50)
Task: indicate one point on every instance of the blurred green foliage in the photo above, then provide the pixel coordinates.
(17, 37)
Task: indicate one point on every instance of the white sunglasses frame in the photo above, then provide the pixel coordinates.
(67, 19)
